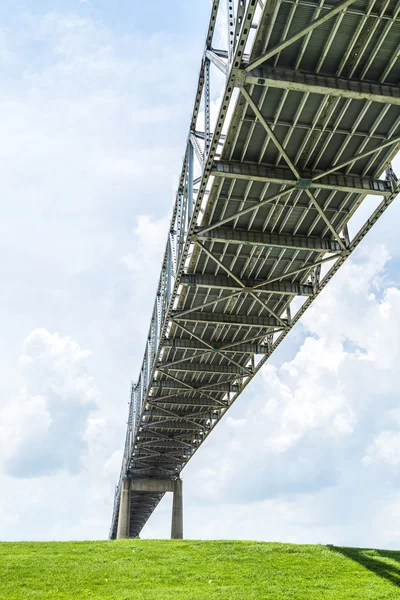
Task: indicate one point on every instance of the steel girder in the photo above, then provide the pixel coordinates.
(189, 402)
(257, 238)
(190, 344)
(220, 282)
(193, 367)
(226, 319)
(321, 84)
(208, 387)
(265, 174)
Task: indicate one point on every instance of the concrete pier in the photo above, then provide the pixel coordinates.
(177, 512)
(124, 516)
(150, 486)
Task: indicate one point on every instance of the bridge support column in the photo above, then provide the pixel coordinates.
(124, 515)
(177, 512)
(162, 486)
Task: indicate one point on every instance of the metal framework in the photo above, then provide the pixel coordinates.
(308, 122)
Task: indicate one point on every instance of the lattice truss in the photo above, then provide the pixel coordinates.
(305, 121)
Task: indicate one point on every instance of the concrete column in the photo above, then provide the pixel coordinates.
(177, 512)
(124, 515)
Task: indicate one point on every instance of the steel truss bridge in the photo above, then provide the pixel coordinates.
(307, 125)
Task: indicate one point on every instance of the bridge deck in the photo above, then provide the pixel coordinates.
(315, 122)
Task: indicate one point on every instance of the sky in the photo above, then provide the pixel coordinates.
(95, 103)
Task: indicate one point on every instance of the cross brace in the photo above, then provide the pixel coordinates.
(204, 368)
(217, 61)
(155, 412)
(179, 439)
(227, 319)
(156, 458)
(220, 282)
(319, 84)
(171, 425)
(259, 238)
(174, 385)
(189, 344)
(270, 174)
(181, 401)
(161, 447)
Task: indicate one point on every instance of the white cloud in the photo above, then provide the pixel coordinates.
(23, 422)
(112, 466)
(385, 448)
(150, 237)
(45, 428)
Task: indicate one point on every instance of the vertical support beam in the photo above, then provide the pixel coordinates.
(190, 184)
(137, 405)
(146, 368)
(346, 236)
(207, 120)
(170, 283)
(157, 318)
(124, 515)
(230, 18)
(177, 512)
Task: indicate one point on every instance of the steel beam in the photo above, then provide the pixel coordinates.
(307, 180)
(281, 202)
(161, 413)
(259, 238)
(148, 437)
(151, 439)
(166, 384)
(182, 401)
(189, 367)
(293, 38)
(154, 467)
(225, 319)
(289, 162)
(327, 86)
(220, 282)
(156, 460)
(190, 344)
(168, 413)
(195, 146)
(160, 454)
(167, 424)
(217, 61)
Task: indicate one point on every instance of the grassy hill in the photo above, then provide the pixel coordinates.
(147, 569)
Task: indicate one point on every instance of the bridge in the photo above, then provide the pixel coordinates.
(307, 126)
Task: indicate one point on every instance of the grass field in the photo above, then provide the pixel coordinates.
(147, 569)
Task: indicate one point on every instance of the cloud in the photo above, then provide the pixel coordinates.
(45, 428)
(112, 466)
(385, 448)
(150, 237)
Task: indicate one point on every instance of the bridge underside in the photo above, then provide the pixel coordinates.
(262, 227)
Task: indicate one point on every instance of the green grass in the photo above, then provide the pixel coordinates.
(147, 569)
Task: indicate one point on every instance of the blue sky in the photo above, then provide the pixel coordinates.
(94, 111)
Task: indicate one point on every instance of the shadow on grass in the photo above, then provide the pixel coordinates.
(384, 563)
